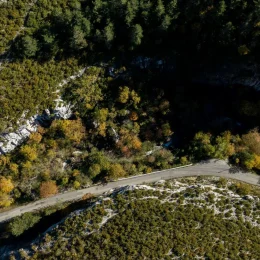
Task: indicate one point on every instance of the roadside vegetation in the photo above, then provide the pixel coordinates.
(185, 218)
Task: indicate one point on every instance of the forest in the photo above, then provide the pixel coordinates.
(127, 118)
(210, 218)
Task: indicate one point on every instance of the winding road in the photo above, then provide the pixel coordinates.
(208, 168)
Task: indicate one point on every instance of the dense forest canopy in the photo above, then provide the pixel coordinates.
(67, 26)
(55, 30)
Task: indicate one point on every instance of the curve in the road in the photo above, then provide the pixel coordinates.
(210, 168)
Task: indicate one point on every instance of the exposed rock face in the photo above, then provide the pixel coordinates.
(62, 110)
(10, 140)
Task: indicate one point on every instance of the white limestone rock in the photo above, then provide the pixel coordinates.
(10, 140)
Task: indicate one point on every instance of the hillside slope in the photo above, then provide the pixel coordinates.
(192, 218)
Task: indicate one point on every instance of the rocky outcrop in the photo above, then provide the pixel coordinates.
(9, 140)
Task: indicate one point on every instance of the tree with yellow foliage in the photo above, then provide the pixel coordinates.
(35, 137)
(6, 186)
(102, 129)
(14, 168)
(251, 140)
(135, 98)
(116, 171)
(124, 93)
(5, 200)
(254, 162)
(74, 130)
(101, 114)
(136, 143)
(129, 140)
(28, 152)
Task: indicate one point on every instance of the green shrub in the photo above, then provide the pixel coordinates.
(22, 223)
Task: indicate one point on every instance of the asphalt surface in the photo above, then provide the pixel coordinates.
(209, 168)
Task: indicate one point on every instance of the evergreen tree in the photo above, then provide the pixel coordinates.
(137, 34)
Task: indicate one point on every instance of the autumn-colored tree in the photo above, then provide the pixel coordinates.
(75, 173)
(48, 188)
(51, 143)
(26, 170)
(116, 171)
(41, 130)
(14, 168)
(74, 130)
(133, 116)
(6, 185)
(136, 143)
(125, 151)
(124, 93)
(101, 114)
(28, 152)
(252, 141)
(253, 162)
(243, 188)
(135, 98)
(35, 137)
(5, 200)
(102, 129)
(130, 140)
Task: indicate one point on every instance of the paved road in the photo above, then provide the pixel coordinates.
(211, 168)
